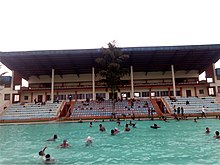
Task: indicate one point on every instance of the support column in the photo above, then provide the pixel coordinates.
(150, 92)
(45, 97)
(52, 86)
(215, 80)
(173, 80)
(195, 91)
(181, 91)
(32, 98)
(132, 83)
(12, 88)
(93, 84)
(169, 92)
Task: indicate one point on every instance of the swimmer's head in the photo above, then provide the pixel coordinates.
(217, 133)
(55, 136)
(64, 141)
(41, 153)
(47, 157)
(89, 138)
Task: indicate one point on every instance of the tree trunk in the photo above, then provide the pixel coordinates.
(113, 104)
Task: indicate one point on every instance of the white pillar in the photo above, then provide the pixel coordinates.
(93, 84)
(173, 79)
(12, 87)
(52, 86)
(132, 83)
(215, 80)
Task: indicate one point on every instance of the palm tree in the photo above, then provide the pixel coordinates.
(111, 69)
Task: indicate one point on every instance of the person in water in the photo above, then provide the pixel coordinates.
(48, 159)
(114, 131)
(88, 141)
(207, 130)
(155, 126)
(127, 128)
(41, 153)
(65, 144)
(216, 135)
(101, 128)
(53, 138)
(90, 124)
(132, 124)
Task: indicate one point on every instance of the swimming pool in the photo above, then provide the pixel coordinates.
(182, 142)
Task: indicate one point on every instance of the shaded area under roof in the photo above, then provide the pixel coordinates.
(80, 61)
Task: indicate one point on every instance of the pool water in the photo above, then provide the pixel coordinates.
(176, 142)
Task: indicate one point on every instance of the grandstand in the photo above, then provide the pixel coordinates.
(157, 76)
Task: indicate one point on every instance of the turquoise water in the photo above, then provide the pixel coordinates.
(182, 142)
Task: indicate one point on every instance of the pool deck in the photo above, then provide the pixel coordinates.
(21, 122)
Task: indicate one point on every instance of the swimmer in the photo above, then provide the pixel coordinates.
(118, 121)
(112, 132)
(132, 124)
(48, 159)
(127, 128)
(88, 141)
(195, 120)
(101, 128)
(155, 126)
(217, 135)
(116, 130)
(207, 130)
(41, 153)
(53, 138)
(90, 125)
(65, 144)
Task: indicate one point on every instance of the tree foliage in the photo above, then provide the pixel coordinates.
(111, 69)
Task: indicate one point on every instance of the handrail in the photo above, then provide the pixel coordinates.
(2, 108)
(166, 105)
(60, 108)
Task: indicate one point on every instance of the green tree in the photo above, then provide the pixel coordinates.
(111, 68)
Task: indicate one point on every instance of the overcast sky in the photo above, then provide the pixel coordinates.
(81, 24)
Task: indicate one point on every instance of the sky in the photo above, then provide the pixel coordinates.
(83, 24)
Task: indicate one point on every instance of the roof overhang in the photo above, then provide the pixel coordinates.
(81, 61)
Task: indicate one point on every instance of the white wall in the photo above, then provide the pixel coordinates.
(4, 91)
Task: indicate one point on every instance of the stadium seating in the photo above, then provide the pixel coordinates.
(104, 108)
(29, 111)
(195, 104)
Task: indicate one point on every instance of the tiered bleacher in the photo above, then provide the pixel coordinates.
(105, 108)
(194, 105)
(28, 111)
